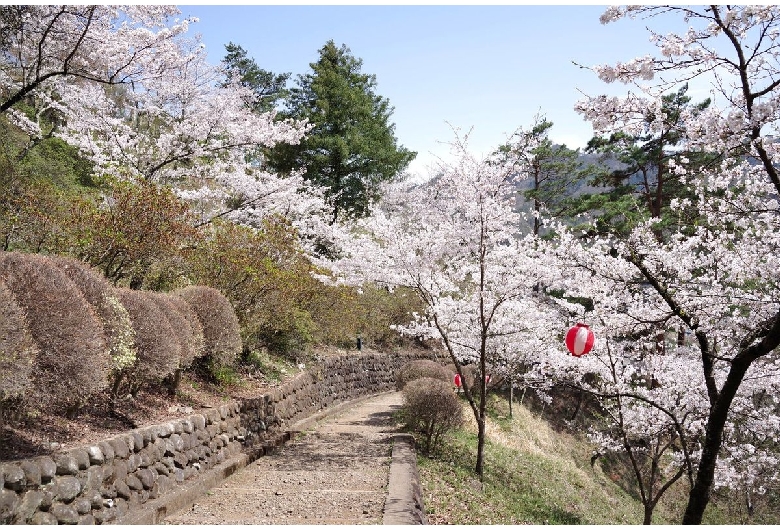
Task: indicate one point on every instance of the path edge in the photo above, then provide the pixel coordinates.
(154, 512)
(404, 503)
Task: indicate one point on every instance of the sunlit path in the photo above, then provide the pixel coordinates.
(334, 473)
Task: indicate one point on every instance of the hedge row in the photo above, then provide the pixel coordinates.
(67, 336)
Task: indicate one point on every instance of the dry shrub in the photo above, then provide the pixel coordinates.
(73, 362)
(17, 355)
(221, 331)
(422, 368)
(156, 343)
(192, 337)
(187, 328)
(116, 321)
(431, 408)
(138, 226)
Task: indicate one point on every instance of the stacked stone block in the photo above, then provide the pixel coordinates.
(103, 482)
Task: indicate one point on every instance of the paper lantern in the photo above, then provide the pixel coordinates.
(579, 339)
(457, 380)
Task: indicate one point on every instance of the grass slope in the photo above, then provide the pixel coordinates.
(533, 475)
(537, 475)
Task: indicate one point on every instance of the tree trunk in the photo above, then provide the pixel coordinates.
(480, 468)
(115, 391)
(579, 405)
(136, 282)
(648, 514)
(699, 496)
(173, 385)
(511, 397)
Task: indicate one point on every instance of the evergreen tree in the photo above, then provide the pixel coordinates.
(351, 148)
(267, 86)
(643, 182)
(552, 172)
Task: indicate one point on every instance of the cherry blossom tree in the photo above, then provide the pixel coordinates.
(715, 274)
(47, 49)
(651, 408)
(190, 130)
(46, 46)
(455, 241)
(141, 102)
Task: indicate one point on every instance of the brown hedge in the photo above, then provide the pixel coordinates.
(432, 409)
(73, 358)
(186, 324)
(17, 353)
(221, 331)
(157, 345)
(422, 368)
(116, 321)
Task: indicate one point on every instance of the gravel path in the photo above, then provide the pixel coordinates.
(334, 473)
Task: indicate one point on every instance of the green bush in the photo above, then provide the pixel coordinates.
(290, 338)
(422, 368)
(224, 375)
(432, 409)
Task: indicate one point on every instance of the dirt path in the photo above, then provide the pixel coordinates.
(334, 473)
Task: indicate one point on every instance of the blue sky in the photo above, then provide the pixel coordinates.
(485, 68)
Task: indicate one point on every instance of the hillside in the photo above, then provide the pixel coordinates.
(537, 474)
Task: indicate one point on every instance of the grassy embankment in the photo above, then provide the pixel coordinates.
(537, 475)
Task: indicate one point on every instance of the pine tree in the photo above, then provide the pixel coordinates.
(267, 86)
(351, 148)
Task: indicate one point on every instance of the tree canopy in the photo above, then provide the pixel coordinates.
(268, 87)
(351, 148)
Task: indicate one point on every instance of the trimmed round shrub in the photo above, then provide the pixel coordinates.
(116, 321)
(156, 343)
(192, 331)
(17, 355)
(73, 359)
(187, 328)
(221, 331)
(422, 368)
(432, 409)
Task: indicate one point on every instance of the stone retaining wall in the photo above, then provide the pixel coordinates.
(102, 483)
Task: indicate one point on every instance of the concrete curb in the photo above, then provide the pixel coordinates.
(404, 504)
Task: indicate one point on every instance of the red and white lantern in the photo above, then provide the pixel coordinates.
(457, 380)
(579, 339)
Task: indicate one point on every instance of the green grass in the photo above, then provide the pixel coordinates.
(274, 368)
(533, 475)
(537, 475)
